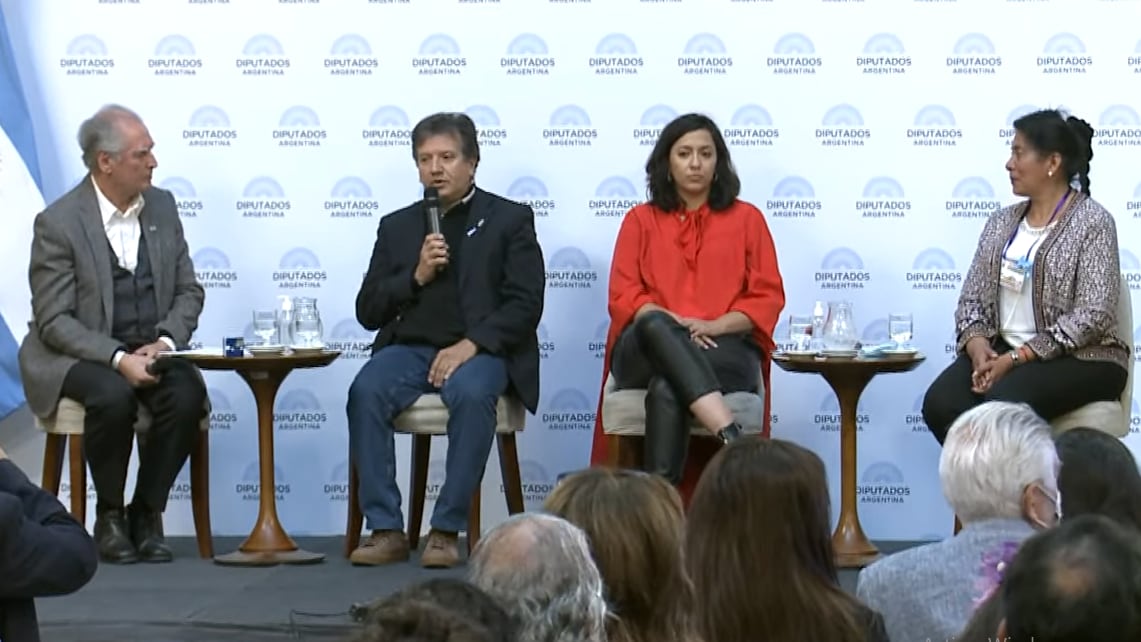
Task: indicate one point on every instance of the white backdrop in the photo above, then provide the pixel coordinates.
(872, 135)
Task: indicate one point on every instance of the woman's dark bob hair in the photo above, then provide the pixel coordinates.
(660, 187)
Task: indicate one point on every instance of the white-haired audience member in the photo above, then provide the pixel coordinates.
(999, 473)
(1079, 582)
(539, 568)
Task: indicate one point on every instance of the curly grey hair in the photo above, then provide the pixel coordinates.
(539, 568)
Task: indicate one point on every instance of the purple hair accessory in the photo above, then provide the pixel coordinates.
(992, 569)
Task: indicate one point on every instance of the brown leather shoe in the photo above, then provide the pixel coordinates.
(381, 547)
(441, 551)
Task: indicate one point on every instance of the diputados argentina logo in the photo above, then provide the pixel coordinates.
(1118, 126)
(351, 55)
(613, 197)
(439, 56)
(532, 192)
(249, 488)
(488, 128)
(843, 126)
(569, 268)
(974, 55)
(794, 55)
(298, 409)
(569, 410)
(570, 127)
(842, 269)
(209, 126)
(299, 127)
(388, 127)
(883, 55)
(263, 197)
(223, 415)
(793, 197)
(651, 124)
(934, 127)
(262, 55)
(1006, 134)
(751, 126)
(86, 56)
(299, 268)
(705, 55)
(185, 196)
(972, 199)
(352, 197)
(883, 483)
(212, 269)
(934, 270)
(1066, 54)
(883, 198)
(175, 56)
(616, 55)
(527, 55)
(1133, 205)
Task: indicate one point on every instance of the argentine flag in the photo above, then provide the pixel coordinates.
(20, 200)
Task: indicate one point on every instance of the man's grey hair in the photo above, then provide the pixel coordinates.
(540, 569)
(101, 133)
(991, 454)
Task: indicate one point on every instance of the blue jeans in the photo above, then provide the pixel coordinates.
(391, 381)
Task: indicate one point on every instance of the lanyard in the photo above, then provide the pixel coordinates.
(1025, 260)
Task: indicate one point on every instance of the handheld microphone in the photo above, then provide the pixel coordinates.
(432, 209)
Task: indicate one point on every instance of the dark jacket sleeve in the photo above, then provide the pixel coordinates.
(43, 550)
(387, 288)
(521, 293)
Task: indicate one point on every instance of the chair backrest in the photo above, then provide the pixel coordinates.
(1125, 332)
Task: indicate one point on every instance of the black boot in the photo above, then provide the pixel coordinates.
(146, 532)
(667, 432)
(729, 433)
(112, 538)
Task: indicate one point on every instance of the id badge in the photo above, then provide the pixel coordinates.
(1012, 276)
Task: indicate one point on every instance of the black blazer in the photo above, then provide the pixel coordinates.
(501, 282)
(43, 551)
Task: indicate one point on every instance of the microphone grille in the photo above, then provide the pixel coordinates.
(431, 194)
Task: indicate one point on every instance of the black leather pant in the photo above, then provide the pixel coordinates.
(656, 353)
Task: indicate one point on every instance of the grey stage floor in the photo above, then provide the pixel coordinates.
(195, 600)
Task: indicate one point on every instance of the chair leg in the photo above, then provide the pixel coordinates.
(509, 469)
(421, 449)
(356, 518)
(200, 494)
(630, 451)
(613, 450)
(78, 473)
(473, 526)
(53, 462)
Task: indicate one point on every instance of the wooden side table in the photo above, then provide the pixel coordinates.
(268, 544)
(848, 377)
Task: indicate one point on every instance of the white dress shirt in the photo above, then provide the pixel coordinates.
(123, 230)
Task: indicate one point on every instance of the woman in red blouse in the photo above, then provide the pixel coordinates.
(695, 292)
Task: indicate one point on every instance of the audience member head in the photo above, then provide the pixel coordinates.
(446, 149)
(438, 610)
(1049, 150)
(1078, 582)
(999, 462)
(539, 568)
(118, 152)
(691, 162)
(636, 526)
(759, 548)
(1099, 476)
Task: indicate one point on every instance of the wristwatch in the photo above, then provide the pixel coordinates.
(1014, 358)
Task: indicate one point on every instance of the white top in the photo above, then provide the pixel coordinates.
(1016, 309)
(122, 228)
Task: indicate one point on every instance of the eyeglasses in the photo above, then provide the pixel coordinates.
(1056, 499)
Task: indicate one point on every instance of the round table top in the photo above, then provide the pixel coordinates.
(815, 363)
(287, 360)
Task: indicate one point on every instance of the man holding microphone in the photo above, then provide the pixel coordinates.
(455, 287)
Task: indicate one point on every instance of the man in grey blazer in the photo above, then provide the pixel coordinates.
(112, 286)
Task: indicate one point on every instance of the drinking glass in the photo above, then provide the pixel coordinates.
(265, 325)
(899, 329)
(307, 328)
(799, 331)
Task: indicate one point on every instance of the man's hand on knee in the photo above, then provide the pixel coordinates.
(134, 369)
(449, 359)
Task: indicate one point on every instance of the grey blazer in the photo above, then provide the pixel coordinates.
(929, 592)
(72, 295)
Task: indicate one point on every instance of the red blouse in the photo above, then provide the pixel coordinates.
(711, 263)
